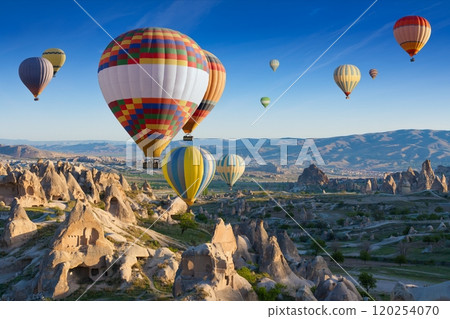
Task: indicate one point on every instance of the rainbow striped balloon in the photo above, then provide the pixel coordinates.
(216, 85)
(189, 170)
(347, 77)
(231, 167)
(153, 79)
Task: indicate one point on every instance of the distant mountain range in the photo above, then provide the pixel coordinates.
(26, 151)
(382, 152)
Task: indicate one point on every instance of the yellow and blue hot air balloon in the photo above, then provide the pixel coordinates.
(189, 170)
(347, 77)
(231, 167)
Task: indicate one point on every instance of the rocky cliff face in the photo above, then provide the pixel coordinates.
(207, 271)
(80, 253)
(312, 177)
(19, 228)
(410, 181)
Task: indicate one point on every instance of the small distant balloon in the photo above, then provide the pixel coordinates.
(412, 33)
(57, 57)
(373, 73)
(36, 73)
(347, 77)
(230, 168)
(265, 101)
(274, 64)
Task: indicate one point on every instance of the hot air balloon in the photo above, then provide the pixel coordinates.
(36, 73)
(57, 57)
(347, 76)
(412, 33)
(189, 170)
(216, 85)
(373, 73)
(153, 80)
(265, 101)
(231, 167)
(274, 64)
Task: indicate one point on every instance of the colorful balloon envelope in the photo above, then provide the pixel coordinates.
(274, 64)
(36, 73)
(347, 77)
(153, 80)
(189, 170)
(216, 85)
(231, 167)
(265, 101)
(57, 57)
(412, 33)
(373, 73)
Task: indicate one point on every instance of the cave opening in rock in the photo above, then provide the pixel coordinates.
(80, 275)
(30, 191)
(114, 206)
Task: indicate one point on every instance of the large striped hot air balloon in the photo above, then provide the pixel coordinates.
(347, 76)
(36, 73)
(153, 80)
(274, 64)
(231, 167)
(189, 170)
(57, 57)
(412, 33)
(216, 85)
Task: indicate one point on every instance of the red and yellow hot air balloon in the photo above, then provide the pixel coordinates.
(412, 33)
(153, 80)
(216, 85)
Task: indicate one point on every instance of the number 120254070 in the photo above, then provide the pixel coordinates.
(405, 310)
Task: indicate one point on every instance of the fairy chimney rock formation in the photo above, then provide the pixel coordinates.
(54, 185)
(19, 227)
(80, 253)
(117, 204)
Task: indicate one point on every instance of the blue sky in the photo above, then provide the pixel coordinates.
(245, 35)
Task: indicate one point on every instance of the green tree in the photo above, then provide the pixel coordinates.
(202, 218)
(187, 222)
(338, 256)
(367, 281)
(316, 245)
(400, 259)
(364, 255)
(439, 209)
